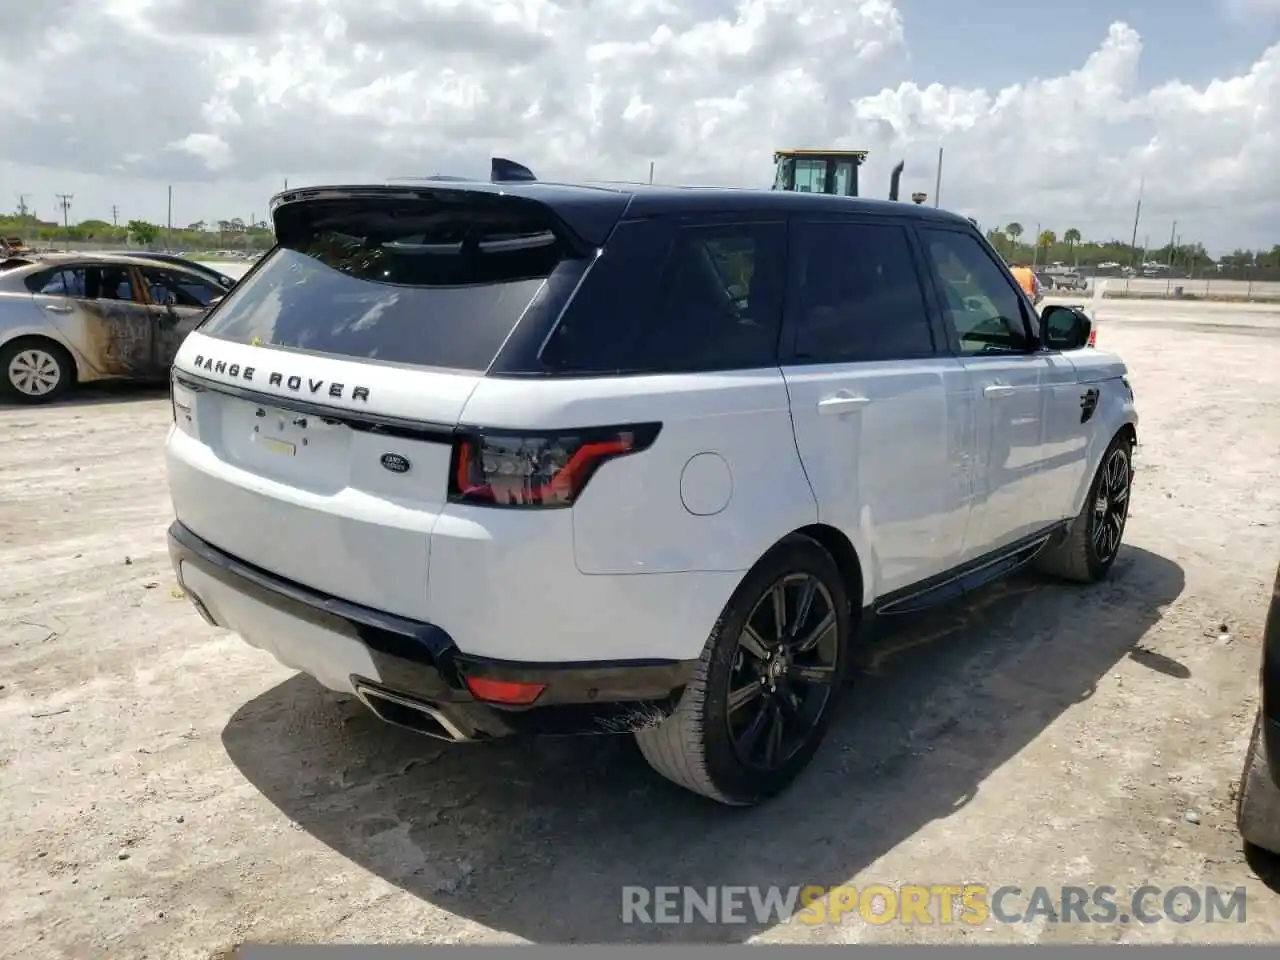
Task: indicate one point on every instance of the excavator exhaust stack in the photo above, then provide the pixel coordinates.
(895, 178)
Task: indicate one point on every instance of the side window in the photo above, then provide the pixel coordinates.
(59, 282)
(857, 294)
(719, 302)
(667, 299)
(979, 301)
(615, 300)
(187, 289)
(811, 176)
(108, 283)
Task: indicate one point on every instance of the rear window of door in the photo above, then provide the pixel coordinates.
(86, 282)
(856, 294)
(59, 282)
(428, 280)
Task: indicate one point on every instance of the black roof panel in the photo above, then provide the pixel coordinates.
(592, 209)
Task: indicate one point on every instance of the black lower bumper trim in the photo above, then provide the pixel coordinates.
(419, 663)
(1270, 682)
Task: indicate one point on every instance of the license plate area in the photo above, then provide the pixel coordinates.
(275, 445)
(303, 450)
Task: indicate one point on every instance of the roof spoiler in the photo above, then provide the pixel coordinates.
(502, 170)
(894, 178)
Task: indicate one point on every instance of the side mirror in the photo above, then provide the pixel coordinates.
(1064, 328)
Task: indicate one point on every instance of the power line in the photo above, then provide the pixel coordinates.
(115, 215)
(64, 201)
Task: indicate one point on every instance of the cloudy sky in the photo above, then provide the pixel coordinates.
(1048, 114)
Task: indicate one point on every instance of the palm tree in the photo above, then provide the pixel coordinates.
(1046, 240)
(1071, 237)
(1013, 231)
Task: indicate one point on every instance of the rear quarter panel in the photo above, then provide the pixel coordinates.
(721, 484)
(20, 316)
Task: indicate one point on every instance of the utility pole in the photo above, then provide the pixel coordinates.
(1035, 248)
(115, 215)
(169, 240)
(651, 171)
(937, 186)
(64, 201)
(1133, 242)
(1173, 239)
(22, 204)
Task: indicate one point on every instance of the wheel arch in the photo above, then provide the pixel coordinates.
(1119, 422)
(35, 337)
(841, 549)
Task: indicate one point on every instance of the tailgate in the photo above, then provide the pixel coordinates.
(338, 501)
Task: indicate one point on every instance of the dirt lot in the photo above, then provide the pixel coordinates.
(170, 792)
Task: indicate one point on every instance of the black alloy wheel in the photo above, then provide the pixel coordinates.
(1110, 505)
(781, 680)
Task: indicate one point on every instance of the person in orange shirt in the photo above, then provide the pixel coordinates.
(1028, 280)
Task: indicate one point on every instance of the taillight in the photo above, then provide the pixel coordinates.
(180, 400)
(509, 469)
(1093, 337)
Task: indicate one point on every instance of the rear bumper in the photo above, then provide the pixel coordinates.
(1271, 683)
(411, 673)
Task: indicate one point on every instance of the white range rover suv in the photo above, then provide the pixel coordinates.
(523, 457)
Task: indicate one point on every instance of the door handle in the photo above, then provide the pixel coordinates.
(58, 308)
(842, 403)
(997, 390)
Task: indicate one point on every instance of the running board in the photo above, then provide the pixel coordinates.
(955, 585)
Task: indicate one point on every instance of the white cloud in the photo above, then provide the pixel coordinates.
(209, 147)
(226, 99)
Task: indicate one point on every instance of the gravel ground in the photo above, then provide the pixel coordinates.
(171, 792)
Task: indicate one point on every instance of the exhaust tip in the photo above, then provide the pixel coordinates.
(402, 711)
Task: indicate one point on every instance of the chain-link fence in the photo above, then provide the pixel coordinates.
(1228, 282)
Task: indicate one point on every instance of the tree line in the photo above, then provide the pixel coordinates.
(1011, 240)
(232, 234)
(1071, 248)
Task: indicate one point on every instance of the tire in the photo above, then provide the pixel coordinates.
(1083, 557)
(35, 370)
(1258, 800)
(696, 746)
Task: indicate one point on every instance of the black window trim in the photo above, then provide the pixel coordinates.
(953, 338)
(790, 316)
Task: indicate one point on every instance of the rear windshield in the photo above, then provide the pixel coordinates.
(430, 280)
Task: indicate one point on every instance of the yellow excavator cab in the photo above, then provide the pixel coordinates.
(818, 171)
